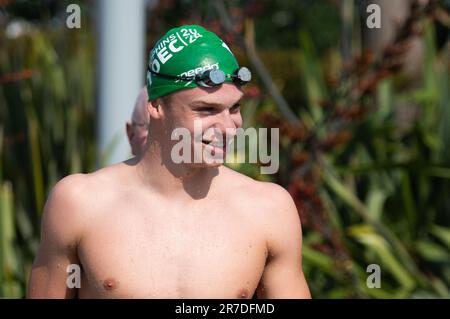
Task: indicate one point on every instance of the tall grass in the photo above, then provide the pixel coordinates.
(47, 130)
(370, 190)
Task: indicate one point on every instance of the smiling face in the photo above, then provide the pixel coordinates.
(218, 111)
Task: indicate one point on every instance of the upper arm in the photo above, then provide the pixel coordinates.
(60, 233)
(283, 275)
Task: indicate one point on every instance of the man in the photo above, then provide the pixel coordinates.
(153, 228)
(137, 128)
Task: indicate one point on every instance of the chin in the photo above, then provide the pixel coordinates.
(212, 164)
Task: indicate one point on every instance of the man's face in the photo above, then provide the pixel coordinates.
(137, 129)
(216, 112)
(138, 137)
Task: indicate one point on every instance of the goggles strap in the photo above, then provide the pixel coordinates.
(241, 76)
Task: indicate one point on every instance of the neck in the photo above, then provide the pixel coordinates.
(157, 171)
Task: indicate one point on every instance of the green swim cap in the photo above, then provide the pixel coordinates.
(186, 51)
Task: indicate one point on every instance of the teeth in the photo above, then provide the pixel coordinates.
(217, 144)
(213, 143)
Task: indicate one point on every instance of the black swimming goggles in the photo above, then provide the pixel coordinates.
(213, 77)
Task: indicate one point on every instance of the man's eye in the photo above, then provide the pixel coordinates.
(206, 109)
(235, 108)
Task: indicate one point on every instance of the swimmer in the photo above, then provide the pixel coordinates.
(153, 228)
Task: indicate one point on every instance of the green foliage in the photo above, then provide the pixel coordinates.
(383, 193)
(47, 132)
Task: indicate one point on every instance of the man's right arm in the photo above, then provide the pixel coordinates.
(60, 233)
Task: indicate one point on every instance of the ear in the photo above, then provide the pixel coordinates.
(130, 131)
(154, 109)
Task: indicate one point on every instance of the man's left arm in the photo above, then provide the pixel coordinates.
(283, 275)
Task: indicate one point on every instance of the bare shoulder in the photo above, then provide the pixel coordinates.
(270, 199)
(61, 220)
(72, 188)
(75, 200)
(70, 193)
(67, 205)
(271, 208)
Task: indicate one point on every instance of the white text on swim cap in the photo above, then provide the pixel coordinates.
(163, 51)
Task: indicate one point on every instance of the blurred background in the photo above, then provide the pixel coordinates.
(364, 119)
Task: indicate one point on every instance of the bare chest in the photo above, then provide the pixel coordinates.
(158, 254)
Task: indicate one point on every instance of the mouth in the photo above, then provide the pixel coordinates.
(216, 146)
(220, 144)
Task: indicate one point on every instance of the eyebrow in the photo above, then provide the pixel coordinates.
(203, 103)
(213, 104)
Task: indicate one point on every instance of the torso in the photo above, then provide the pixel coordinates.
(140, 246)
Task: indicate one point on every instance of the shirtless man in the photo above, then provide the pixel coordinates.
(151, 228)
(137, 128)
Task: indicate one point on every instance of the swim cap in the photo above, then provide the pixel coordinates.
(184, 52)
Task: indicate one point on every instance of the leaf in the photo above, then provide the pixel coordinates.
(431, 251)
(375, 202)
(324, 262)
(347, 196)
(367, 236)
(8, 262)
(443, 233)
(440, 287)
(436, 171)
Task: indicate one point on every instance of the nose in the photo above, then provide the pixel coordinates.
(226, 122)
(222, 128)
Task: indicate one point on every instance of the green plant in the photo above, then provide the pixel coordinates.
(47, 132)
